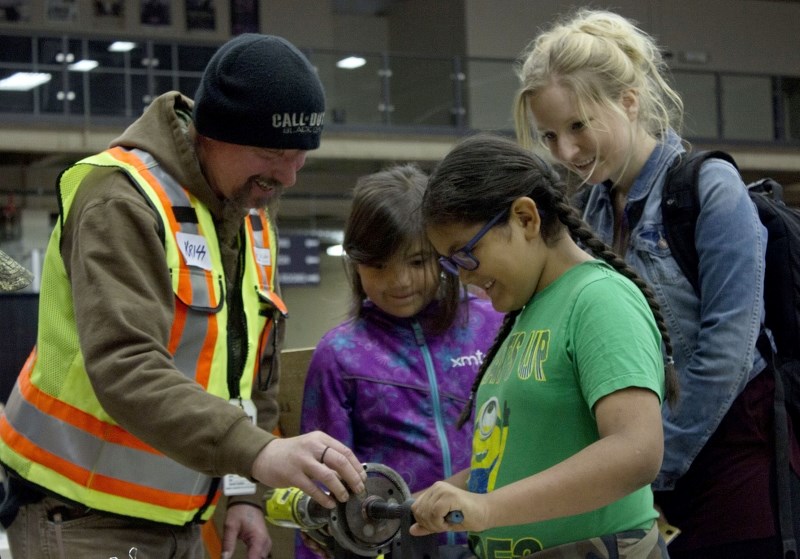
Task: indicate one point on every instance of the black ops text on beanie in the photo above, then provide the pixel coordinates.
(260, 90)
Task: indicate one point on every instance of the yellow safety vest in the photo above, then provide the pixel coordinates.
(54, 431)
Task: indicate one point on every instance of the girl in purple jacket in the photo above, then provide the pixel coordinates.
(391, 381)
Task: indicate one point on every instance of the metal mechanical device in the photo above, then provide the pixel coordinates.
(374, 524)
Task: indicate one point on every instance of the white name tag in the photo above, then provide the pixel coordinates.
(263, 256)
(231, 483)
(237, 485)
(194, 250)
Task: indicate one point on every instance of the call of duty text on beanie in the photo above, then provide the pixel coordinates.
(260, 90)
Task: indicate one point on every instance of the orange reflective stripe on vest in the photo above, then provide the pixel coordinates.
(258, 232)
(193, 352)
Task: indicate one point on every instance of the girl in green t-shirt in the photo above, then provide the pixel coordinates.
(567, 432)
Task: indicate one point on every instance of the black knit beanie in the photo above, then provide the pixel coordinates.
(260, 90)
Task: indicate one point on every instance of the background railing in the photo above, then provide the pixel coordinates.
(389, 92)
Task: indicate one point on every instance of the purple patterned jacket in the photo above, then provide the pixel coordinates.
(393, 393)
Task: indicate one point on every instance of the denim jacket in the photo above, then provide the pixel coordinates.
(713, 336)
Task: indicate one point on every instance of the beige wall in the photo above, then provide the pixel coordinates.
(738, 35)
(315, 310)
(520, 20)
(428, 27)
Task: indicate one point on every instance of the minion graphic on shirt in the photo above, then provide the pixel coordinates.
(488, 445)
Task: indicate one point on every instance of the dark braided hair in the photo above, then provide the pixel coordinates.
(485, 173)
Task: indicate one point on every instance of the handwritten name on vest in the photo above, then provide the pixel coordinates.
(194, 249)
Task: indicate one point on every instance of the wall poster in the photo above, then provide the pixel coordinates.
(244, 16)
(15, 10)
(200, 14)
(61, 11)
(109, 13)
(155, 12)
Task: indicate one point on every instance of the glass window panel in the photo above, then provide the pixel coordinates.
(194, 58)
(49, 48)
(16, 101)
(147, 86)
(75, 50)
(63, 97)
(790, 90)
(15, 49)
(747, 108)
(491, 87)
(138, 55)
(98, 50)
(107, 93)
(351, 96)
(699, 104)
(163, 55)
(55, 51)
(55, 97)
(141, 96)
(75, 97)
(163, 82)
(64, 93)
(188, 85)
(422, 91)
(51, 94)
(160, 59)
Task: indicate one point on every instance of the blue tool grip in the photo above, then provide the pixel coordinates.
(454, 517)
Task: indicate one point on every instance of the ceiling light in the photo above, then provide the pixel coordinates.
(84, 65)
(121, 46)
(351, 62)
(335, 250)
(24, 81)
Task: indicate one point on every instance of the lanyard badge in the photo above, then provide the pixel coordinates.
(233, 484)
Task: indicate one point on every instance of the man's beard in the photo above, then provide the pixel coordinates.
(267, 190)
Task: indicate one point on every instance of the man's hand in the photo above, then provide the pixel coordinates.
(304, 460)
(245, 522)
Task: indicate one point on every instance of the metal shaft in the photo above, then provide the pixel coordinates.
(376, 509)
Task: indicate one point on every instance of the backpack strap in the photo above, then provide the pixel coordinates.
(680, 208)
(783, 469)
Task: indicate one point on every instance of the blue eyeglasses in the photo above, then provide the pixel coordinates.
(463, 257)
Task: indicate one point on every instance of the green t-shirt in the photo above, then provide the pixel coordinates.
(588, 334)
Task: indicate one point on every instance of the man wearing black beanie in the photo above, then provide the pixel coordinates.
(151, 393)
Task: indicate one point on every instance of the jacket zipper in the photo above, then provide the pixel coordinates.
(437, 408)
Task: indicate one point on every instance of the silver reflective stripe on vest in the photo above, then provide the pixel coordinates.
(195, 328)
(102, 457)
(258, 242)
